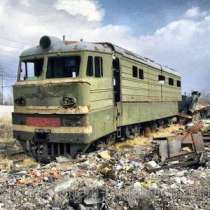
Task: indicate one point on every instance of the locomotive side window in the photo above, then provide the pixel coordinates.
(90, 66)
(161, 78)
(141, 74)
(60, 67)
(138, 73)
(135, 72)
(31, 69)
(98, 67)
(95, 69)
(178, 83)
(171, 81)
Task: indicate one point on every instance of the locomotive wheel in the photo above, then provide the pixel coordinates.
(39, 151)
(136, 131)
(129, 133)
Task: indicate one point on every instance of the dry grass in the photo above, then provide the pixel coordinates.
(166, 132)
(6, 133)
(22, 162)
(6, 124)
(5, 164)
(138, 141)
(146, 141)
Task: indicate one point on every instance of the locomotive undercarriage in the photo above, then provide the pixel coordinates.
(42, 149)
(45, 146)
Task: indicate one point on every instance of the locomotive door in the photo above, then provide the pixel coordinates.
(117, 90)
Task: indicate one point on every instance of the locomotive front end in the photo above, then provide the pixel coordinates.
(51, 101)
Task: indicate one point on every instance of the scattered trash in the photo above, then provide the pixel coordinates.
(152, 165)
(62, 159)
(116, 177)
(105, 155)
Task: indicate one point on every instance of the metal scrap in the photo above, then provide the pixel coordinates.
(183, 149)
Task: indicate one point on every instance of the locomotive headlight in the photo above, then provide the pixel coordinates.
(68, 102)
(46, 42)
(20, 101)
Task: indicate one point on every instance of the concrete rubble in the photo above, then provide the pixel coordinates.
(128, 175)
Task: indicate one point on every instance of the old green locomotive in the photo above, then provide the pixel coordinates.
(70, 94)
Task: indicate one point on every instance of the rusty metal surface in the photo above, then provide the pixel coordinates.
(198, 142)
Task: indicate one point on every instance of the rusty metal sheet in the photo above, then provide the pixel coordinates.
(198, 142)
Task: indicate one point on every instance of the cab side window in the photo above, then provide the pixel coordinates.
(178, 83)
(90, 66)
(98, 67)
(94, 66)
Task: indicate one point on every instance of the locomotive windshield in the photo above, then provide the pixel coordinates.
(31, 69)
(60, 67)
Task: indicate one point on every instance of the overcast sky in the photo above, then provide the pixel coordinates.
(172, 32)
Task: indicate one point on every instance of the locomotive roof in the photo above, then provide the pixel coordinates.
(66, 46)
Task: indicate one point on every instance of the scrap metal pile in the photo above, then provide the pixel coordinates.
(188, 147)
(144, 173)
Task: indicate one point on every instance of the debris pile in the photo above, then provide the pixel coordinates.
(127, 175)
